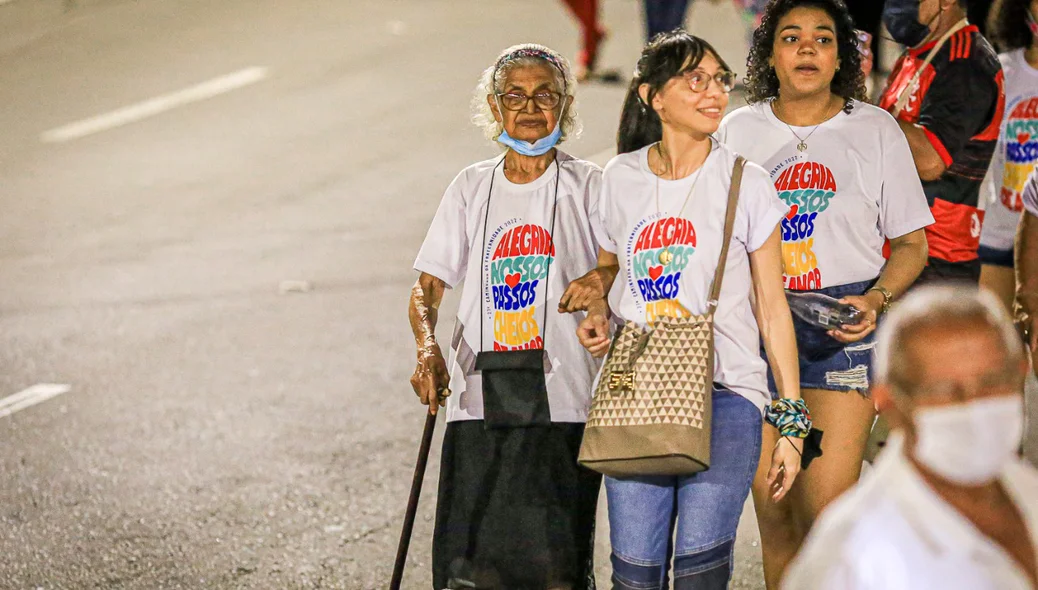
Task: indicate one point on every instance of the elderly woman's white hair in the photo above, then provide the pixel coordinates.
(934, 306)
(518, 56)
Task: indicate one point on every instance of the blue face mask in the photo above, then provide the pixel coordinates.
(537, 148)
(902, 20)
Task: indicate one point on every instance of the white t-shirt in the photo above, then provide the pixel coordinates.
(1015, 155)
(514, 260)
(633, 229)
(854, 187)
(1030, 193)
(893, 532)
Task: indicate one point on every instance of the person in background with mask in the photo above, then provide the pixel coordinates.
(946, 91)
(514, 509)
(1016, 33)
(949, 505)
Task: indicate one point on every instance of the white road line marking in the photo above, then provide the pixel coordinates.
(26, 398)
(155, 106)
(602, 157)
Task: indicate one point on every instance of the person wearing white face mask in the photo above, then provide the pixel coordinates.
(950, 505)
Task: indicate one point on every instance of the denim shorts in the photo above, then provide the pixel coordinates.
(691, 519)
(826, 363)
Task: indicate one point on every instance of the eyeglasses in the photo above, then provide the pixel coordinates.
(699, 80)
(545, 101)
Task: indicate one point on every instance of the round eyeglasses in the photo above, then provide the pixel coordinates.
(699, 80)
(515, 101)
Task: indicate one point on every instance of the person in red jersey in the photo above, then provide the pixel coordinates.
(946, 91)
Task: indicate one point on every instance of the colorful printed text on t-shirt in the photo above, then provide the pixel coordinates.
(518, 266)
(1021, 145)
(807, 187)
(654, 283)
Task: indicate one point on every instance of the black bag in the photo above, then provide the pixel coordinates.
(514, 389)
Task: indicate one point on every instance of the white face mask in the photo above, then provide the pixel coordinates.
(970, 443)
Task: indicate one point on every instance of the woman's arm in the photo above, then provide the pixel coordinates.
(587, 293)
(1026, 253)
(776, 328)
(593, 285)
(430, 376)
(908, 255)
(773, 316)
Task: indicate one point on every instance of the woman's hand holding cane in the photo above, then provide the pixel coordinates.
(431, 379)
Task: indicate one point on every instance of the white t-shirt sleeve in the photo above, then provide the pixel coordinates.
(992, 183)
(823, 570)
(903, 207)
(832, 558)
(760, 209)
(721, 135)
(593, 198)
(600, 222)
(1030, 193)
(445, 251)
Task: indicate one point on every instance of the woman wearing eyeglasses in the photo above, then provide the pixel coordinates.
(514, 509)
(663, 214)
(845, 170)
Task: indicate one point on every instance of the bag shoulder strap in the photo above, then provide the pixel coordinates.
(729, 226)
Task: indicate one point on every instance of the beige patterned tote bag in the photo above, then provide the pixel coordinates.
(651, 411)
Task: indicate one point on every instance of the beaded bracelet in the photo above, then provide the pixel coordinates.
(791, 417)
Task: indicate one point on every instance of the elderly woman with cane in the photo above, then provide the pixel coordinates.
(514, 509)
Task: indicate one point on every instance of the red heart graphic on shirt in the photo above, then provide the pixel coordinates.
(792, 211)
(655, 272)
(1023, 137)
(512, 280)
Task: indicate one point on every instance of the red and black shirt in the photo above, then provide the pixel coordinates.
(958, 103)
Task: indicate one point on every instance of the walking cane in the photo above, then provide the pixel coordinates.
(412, 502)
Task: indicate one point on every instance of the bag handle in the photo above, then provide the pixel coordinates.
(729, 226)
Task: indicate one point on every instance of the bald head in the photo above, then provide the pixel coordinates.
(939, 331)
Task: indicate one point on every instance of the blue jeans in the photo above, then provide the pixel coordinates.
(702, 509)
(663, 16)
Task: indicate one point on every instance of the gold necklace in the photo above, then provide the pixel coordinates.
(666, 257)
(802, 146)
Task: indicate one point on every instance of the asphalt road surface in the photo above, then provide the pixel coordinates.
(209, 215)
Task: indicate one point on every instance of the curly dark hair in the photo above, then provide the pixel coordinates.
(1011, 30)
(761, 81)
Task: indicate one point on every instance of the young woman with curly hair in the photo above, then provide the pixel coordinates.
(845, 170)
(1016, 154)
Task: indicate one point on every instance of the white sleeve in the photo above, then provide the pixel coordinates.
(593, 198)
(721, 135)
(445, 251)
(826, 574)
(992, 183)
(1030, 193)
(760, 209)
(902, 204)
(828, 560)
(601, 226)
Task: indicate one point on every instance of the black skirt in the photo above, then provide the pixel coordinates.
(514, 509)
